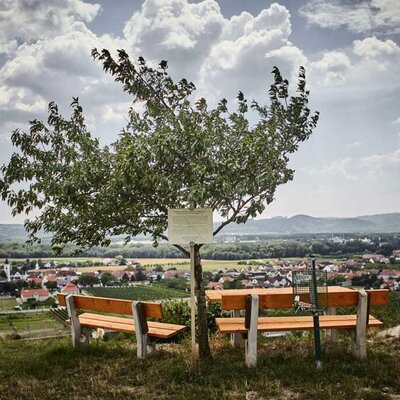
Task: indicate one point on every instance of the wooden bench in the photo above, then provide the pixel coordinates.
(146, 331)
(251, 324)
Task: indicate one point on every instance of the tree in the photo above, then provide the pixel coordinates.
(106, 277)
(140, 276)
(88, 280)
(158, 268)
(125, 277)
(174, 153)
(51, 285)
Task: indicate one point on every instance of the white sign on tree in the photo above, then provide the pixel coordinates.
(190, 226)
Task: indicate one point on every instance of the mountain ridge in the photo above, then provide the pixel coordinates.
(297, 224)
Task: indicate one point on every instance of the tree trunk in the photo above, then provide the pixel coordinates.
(204, 347)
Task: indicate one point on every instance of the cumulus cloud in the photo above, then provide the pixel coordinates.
(333, 68)
(344, 72)
(362, 16)
(385, 54)
(57, 69)
(51, 59)
(248, 50)
(30, 20)
(176, 30)
(213, 51)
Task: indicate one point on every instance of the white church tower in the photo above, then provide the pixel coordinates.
(7, 270)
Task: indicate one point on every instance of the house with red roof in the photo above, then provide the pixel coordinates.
(70, 288)
(34, 294)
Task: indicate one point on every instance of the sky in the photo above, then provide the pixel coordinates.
(351, 51)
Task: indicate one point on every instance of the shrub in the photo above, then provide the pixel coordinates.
(177, 311)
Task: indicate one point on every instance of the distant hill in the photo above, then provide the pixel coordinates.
(280, 225)
(307, 224)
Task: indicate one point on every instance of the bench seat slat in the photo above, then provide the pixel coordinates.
(121, 324)
(276, 324)
(102, 317)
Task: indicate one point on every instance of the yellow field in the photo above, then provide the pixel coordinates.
(178, 263)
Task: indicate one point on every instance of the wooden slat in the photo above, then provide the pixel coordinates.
(118, 324)
(61, 299)
(121, 324)
(102, 317)
(277, 324)
(115, 306)
(279, 298)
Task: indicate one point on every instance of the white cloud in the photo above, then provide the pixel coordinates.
(372, 47)
(213, 51)
(342, 168)
(249, 48)
(388, 12)
(382, 160)
(356, 71)
(361, 16)
(333, 68)
(175, 30)
(30, 20)
(57, 69)
(384, 54)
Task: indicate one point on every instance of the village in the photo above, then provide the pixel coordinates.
(39, 285)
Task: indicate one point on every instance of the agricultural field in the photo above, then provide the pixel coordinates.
(57, 259)
(7, 304)
(178, 263)
(38, 324)
(143, 292)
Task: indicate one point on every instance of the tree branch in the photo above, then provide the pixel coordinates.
(179, 247)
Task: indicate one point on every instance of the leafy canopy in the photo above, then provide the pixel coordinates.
(173, 153)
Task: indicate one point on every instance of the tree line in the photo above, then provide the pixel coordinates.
(216, 251)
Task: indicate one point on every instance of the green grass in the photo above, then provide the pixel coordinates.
(7, 304)
(30, 325)
(109, 370)
(144, 292)
(51, 369)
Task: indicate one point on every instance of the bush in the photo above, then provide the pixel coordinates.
(178, 312)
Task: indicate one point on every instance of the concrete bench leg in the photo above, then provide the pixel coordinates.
(80, 336)
(360, 341)
(141, 329)
(251, 341)
(235, 337)
(331, 333)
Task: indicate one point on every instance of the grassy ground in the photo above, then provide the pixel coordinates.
(51, 369)
(30, 325)
(7, 304)
(144, 292)
(109, 370)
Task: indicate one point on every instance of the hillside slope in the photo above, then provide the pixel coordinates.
(280, 225)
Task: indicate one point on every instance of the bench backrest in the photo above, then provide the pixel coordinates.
(285, 300)
(114, 306)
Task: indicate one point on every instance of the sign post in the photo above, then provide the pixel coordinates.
(191, 226)
(310, 292)
(192, 304)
